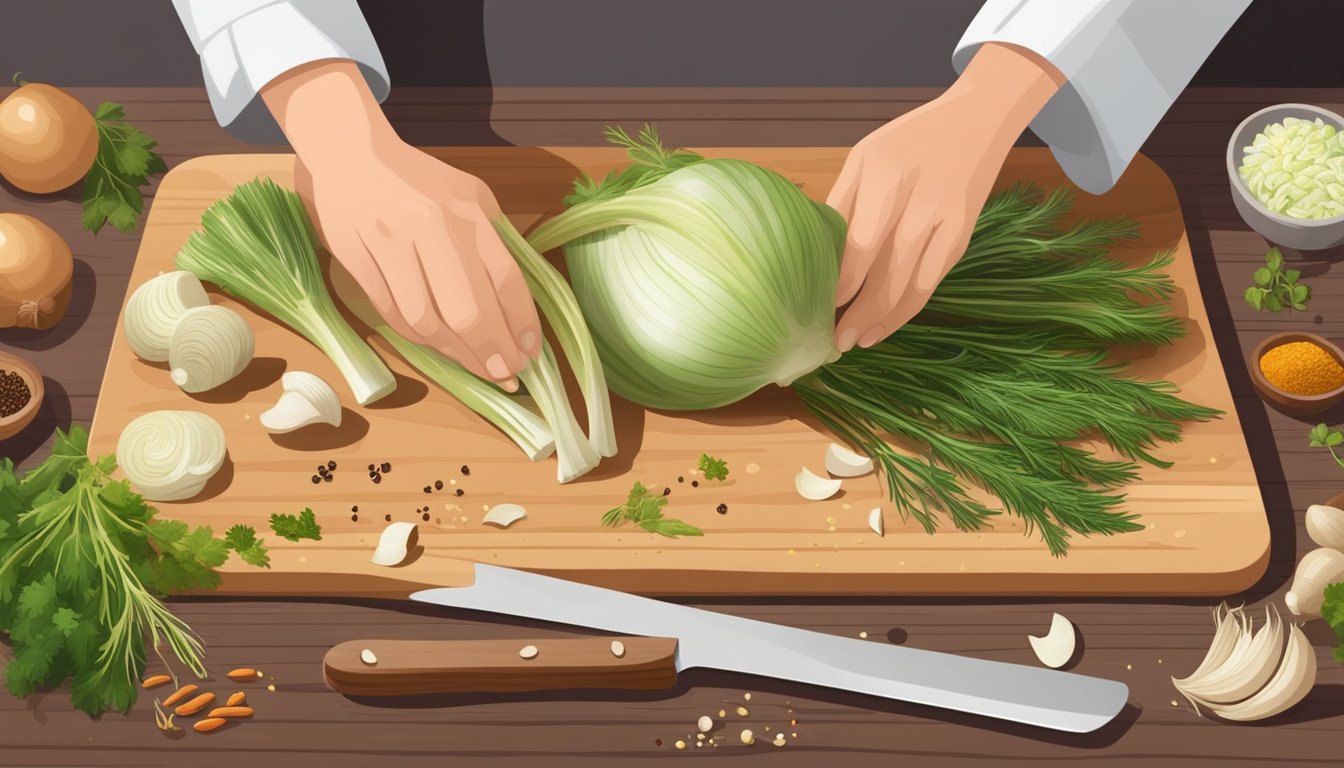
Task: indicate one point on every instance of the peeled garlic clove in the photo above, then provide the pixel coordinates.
(1291, 683)
(307, 399)
(1325, 525)
(842, 462)
(209, 346)
(1252, 662)
(815, 488)
(396, 540)
(875, 521)
(504, 515)
(1317, 570)
(1056, 647)
(154, 309)
(170, 455)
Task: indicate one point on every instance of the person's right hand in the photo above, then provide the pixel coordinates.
(416, 233)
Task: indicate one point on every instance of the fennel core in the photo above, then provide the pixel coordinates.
(995, 381)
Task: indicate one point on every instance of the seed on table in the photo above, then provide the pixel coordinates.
(209, 724)
(387, 466)
(230, 712)
(742, 712)
(388, 518)
(747, 736)
(617, 648)
(377, 479)
(237, 698)
(154, 681)
(316, 479)
(180, 694)
(428, 489)
(372, 468)
(243, 674)
(321, 469)
(528, 652)
(680, 744)
(438, 485)
(354, 518)
(195, 705)
(695, 483)
(680, 479)
(331, 465)
(705, 723)
(328, 477)
(666, 491)
(466, 470)
(458, 492)
(722, 509)
(354, 507)
(425, 517)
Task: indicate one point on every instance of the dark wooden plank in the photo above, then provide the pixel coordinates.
(1140, 642)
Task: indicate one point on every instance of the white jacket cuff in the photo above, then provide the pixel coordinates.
(245, 44)
(1125, 63)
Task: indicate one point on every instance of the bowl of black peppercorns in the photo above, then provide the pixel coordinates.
(20, 394)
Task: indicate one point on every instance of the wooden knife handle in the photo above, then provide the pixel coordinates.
(405, 667)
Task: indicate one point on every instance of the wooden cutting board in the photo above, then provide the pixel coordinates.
(1205, 529)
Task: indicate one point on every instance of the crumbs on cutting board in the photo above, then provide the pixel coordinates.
(737, 726)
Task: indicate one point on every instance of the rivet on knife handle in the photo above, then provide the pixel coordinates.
(406, 667)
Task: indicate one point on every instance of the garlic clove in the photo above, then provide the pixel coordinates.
(1230, 623)
(210, 346)
(842, 462)
(396, 540)
(153, 310)
(875, 521)
(1252, 662)
(504, 515)
(1317, 570)
(1057, 646)
(815, 488)
(307, 399)
(1325, 525)
(1291, 683)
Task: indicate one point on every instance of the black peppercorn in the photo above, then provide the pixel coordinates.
(387, 466)
(428, 489)
(695, 483)
(331, 465)
(722, 509)
(377, 479)
(354, 518)
(321, 469)
(466, 470)
(459, 492)
(372, 467)
(425, 517)
(316, 479)
(388, 518)
(667, 491)
(680, 479)
(328, 477)
(438, 485)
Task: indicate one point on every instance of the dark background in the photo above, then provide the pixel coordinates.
(511, 43)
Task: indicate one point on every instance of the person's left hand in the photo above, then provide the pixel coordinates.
(912, 190)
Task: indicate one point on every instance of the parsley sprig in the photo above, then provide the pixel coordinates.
(712, 468)
(1332, 610)
(1322, 436)
(1277, 288)
(123, 165)
(293, 528)
(645, 510)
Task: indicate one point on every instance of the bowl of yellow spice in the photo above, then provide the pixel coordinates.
(1301, 372)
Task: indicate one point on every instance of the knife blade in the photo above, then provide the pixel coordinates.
(1036, 696)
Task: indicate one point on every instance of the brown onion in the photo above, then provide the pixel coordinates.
(48, 140)
(35, 272)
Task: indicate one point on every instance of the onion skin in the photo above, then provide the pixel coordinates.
(48, 140)
(35, 273)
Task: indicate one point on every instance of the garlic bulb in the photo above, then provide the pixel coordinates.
(1317, 570)
(307, 399)
(209, 346)
(815, 488)
(842, 462)
(397, 539)
(1291, 683)
(170, 455)
(1057, 646)
(153, 310)
(1325, 525)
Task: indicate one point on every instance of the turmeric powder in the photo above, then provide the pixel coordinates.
(1302, 368)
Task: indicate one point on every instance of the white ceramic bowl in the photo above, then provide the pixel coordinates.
(1302, 234)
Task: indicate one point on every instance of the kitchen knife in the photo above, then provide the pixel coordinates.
(1036, 696)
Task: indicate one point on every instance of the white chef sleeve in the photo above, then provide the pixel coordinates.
(245, 44)
(1126, 61)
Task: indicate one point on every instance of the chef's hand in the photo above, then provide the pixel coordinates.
(912, 189)
(415, 232)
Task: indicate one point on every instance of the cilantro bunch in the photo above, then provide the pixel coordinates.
(83, 563)
(1332, 610)
(123, 165)
(1277, 288)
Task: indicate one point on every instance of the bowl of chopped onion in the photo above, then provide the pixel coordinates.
(1286, 166)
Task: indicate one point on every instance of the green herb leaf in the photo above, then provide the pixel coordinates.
(1274, 259)
(243, 540)
(1317, 435)
(1276, 288)
(122, 166)
(645, 510)
(713, 469)
(1263, 277)
(294, 528)
(1290, 276)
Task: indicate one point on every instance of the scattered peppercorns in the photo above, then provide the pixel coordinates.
(372, 468)
(331, 465)
(316, 479)
(428, 489)
(388, 517)
(14, 393)
(387, 467)
(377, 479)
(695, 483)
(722, 509)
(354, 508)
(354, 518)
(438, 485)
(680, 479)
(666, 491)
(328, 477)
(425, 517)
(466, 470)
(458, 492)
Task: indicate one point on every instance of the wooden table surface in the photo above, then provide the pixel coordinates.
(1139, 642)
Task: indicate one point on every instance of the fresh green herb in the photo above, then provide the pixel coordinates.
(123, 165)
(243, 540)
(293, 528)
(1322, 436)
(83, 563)
(646, 510)
(1277, 288)
(713, 469)
(1332, 610)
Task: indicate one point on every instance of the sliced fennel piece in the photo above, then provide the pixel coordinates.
(561, 309)
(171, 455)
(504, 515)
(574, 454)
(257, 245)
(210, 346)
(525, 428)
(153, 311)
